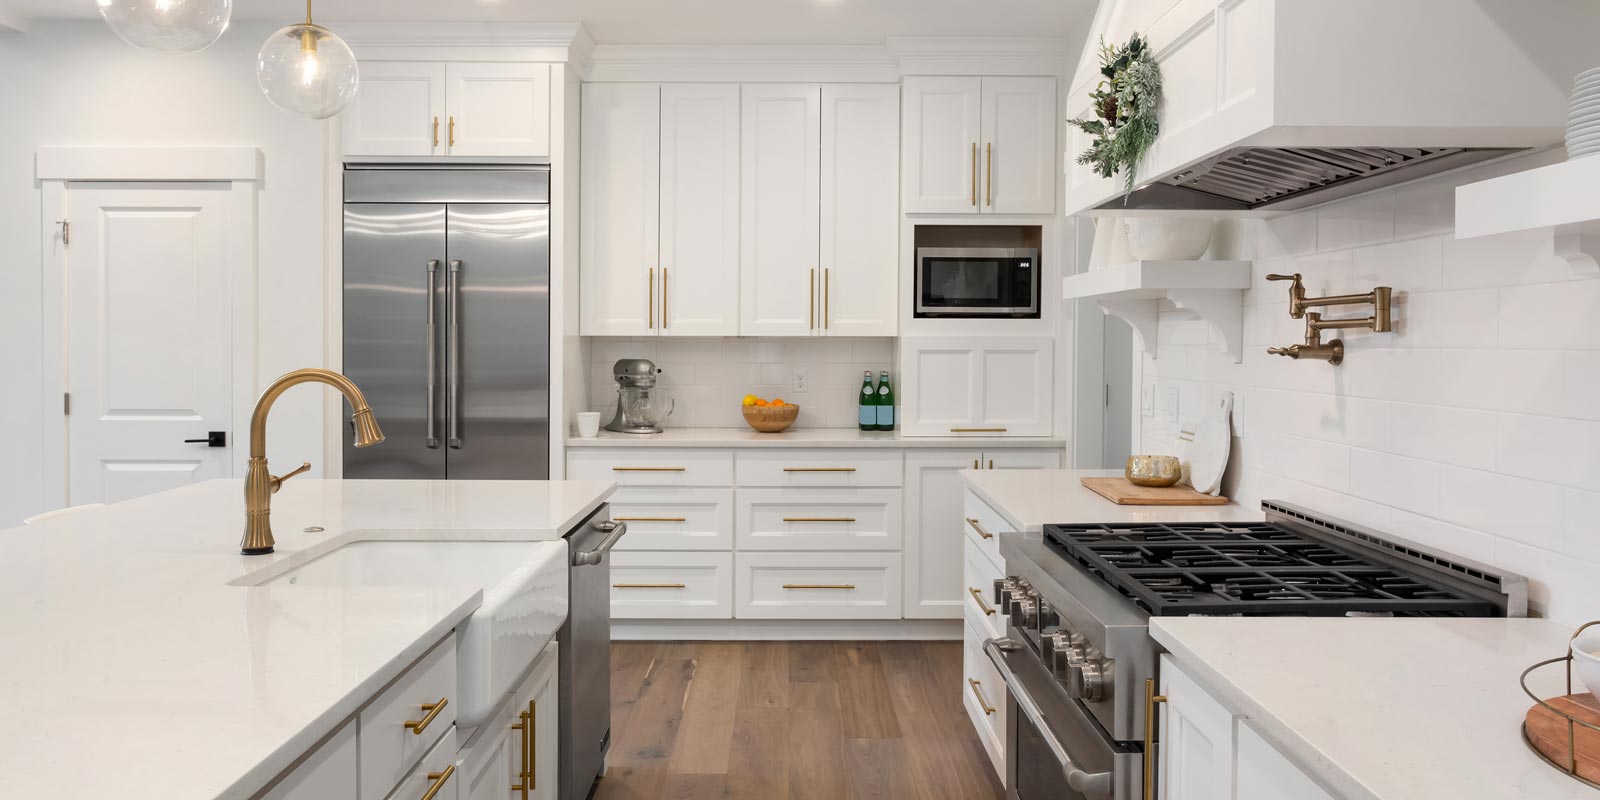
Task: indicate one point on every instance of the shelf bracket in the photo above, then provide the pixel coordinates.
(1579, 244)
(1219, 308)
(1144, 316)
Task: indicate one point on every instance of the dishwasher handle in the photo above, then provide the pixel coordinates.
(1080, 781)
(613, 531)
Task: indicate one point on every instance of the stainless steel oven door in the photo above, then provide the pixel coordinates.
(1054, 749)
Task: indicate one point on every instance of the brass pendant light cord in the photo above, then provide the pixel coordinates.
(308, 12)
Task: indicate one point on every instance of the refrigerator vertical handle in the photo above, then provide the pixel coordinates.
(432, 327)
(453, 343)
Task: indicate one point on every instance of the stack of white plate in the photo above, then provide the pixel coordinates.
(1583, 116)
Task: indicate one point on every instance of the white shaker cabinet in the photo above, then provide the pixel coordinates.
(860, 209)
(781, 184)
(518, 746)
(399, 111)
(699, 291)
(431, 108)
(979, 145)
(619, 240)
(981, 386)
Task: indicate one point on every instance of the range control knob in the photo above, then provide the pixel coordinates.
(1089, 680)
(1025, 612)
(1051, 644)
(1047, 616)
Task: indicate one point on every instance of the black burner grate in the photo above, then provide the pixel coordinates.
(1249, 568)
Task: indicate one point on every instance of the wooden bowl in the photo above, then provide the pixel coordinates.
(771, 419)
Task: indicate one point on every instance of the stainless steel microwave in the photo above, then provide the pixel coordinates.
(977, 282)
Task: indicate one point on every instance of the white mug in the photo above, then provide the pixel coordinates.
(588, 424)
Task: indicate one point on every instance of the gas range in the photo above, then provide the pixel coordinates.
(1078, 600)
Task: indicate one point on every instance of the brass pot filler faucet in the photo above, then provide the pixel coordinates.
(1332, 352)
(259, 483)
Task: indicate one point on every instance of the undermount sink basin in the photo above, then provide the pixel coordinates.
(524, 588)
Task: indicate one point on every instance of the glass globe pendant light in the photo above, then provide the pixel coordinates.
(306, 69)
(171, 26)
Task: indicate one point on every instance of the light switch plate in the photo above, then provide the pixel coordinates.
(1147, 401)
(802, 382)
(1172, 404)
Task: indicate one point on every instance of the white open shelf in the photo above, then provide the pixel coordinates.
(1210, 290)
(1562, 196)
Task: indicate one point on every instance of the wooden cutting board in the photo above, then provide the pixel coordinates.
(1547, 732)
(1124, 493)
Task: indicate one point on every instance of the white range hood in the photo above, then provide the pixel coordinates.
(1272, 105)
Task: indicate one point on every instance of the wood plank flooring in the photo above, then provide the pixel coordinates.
(792, 721)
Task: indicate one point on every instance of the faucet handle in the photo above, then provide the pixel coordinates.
(1276, 277)
(278, 480)
(1292, 351)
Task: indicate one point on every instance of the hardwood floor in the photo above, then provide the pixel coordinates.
(792, 721)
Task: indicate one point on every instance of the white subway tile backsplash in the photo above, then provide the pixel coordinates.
(1364, 220)
(1551, 315)
(1504, 260)
(1459, 436)
(1416, 265)
(1424, 209)
(1524, 510)
(1403, 483)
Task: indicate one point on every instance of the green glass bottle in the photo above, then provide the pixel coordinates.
(867, 404)
(885, 403)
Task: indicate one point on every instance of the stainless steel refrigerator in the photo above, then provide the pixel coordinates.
(447, 318)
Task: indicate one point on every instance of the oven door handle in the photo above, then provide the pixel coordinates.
(1080, 781)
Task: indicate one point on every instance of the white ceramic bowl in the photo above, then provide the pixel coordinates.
(1167, 238)
(1586, 659)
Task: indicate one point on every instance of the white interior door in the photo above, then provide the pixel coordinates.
(700, 209)
(860, 209)
(148, 337)
(778, 229)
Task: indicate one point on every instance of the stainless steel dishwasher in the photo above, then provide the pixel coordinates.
(585, 669)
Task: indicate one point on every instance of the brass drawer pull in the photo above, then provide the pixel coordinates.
(452, 144)
(819, 519)
(988, 710)
(819, 469)
(649, 469)
(651, 519)
(433, 709)
(982, 606)
(974, 174)
(439, 779)
(819, 586)
(526, 726)
(988, 184)
(650, 301)
(648, 586)
(435, 131)
(530, 776)
(977, 430)
(977, 526)
(1151, 699)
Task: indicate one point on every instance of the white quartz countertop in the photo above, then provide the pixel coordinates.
(132, 669)
(802, 437)
(1031, 499)
(1386, 709)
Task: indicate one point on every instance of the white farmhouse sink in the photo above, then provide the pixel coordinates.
(524, 600)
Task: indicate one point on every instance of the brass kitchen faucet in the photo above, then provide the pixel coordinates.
(1332, 352)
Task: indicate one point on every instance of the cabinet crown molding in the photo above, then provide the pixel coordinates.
(860, 63)
(560, 42)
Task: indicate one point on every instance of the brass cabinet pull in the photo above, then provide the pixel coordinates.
(973, 521)
(974, 174)
(977, 430)
(811, 315)
(663, 298)
(649, 469)
(531, 775)
(650, 300)
(650, 519)
(988, 183)
(439, 779)
(982, 606)
(1151, 699)
(827, 275)
(648, 586)
(819, 586)
(819, 469)
(435, 131)
(526, 726)
(452, 131)
(819, 519)
(433, 709)
(991, 463)
(975, 464)
(988, 710)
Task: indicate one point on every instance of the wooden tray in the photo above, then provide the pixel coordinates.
(1123, 493)
(1546, 732)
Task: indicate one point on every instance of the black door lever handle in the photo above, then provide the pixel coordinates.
(213, 439)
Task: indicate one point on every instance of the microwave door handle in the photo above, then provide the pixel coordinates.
(1080, 781)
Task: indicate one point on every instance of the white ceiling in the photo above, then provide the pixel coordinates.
(685, 21)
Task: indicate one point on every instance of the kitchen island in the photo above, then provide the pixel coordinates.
(144, 667)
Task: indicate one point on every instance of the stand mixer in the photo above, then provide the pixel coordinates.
(641, 408)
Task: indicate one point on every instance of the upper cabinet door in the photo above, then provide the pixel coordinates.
(620, 206)
(778, 231)
(398, 112)
(699, 292)
(1019, 145)
(498, 109)
(860, 209)
(942, 134)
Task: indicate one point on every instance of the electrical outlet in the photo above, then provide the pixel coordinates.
(1147, 401)
(1172, 404)
(802, 381)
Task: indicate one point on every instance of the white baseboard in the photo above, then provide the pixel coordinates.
(786, 630)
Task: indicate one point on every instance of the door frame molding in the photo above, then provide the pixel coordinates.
(54, 168)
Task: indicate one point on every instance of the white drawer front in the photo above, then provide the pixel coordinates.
(983, 526)
(671, 585)
(819, 519)
(821, 468)
(438, 768)
(652, 467)
(388, 747)
(674, 519)
(858, 585)
(977, 589)
(983, 694)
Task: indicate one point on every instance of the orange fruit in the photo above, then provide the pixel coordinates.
(762, 403)
(779, 402)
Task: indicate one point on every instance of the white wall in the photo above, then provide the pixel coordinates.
(77, 84)
(1474, 427)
